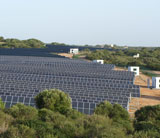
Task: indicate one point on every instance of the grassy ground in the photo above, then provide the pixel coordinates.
(149, 73)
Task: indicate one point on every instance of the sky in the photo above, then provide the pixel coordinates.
(121, 22)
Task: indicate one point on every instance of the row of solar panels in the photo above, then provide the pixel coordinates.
(43, 52)
(70, 87)
(71, 73)
(22, 78)
(52, 78)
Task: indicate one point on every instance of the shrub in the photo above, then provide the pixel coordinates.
(50, 116)
(148, 113)
(2, 105)
(5, 121)
(105, 108)
(19, 132)
(97, 126)
(54, 100)
(23, 112)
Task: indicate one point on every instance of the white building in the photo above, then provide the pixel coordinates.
(99, 61)
(136, 56)
(74, 51)
(112, 45)
(134, 69)
(156, 82)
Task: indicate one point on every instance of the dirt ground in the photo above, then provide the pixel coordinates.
(148, 96)
(66, 55)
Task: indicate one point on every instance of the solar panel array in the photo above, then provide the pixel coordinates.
(39, 52)
(87, 83)
(45, 52)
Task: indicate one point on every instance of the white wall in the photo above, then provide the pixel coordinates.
(99, 61)
(136, 56)
(156, 82)
(134, 69)
(74, 50)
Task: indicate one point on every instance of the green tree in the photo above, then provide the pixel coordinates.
(43, 129)
(148, 118)
(146, 134)
(54, 100)
(97, 126)
(5, 121)
(2, 105)
(23, 112)
(1, 39)
(105, 108)
(148, 113)
(50, 116)
(117, 113)
(20, 131)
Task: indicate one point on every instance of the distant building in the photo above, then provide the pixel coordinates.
(134, 69)
(136, 56)
(74, 51)
(156, 82)
(99, 61)
(112, 45)
(125, 47)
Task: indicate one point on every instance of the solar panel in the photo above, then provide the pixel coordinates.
(87, 83)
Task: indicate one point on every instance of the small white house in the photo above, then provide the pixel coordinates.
(136, 56)
(99, 61)
(156, 82)
(134, 69)
(74, 51)
(112, 45)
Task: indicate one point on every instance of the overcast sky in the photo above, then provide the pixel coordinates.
(121, 22)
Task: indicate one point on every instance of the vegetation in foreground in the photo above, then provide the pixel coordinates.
(54, 118)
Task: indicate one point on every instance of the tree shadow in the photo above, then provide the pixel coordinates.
(150, 97)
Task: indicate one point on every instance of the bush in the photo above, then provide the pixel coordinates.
(2, 105)
(15, 43)
(97, 126)
(148, 113)
(119, 113)
(41, 128)
(115, 112)
(73, 114)
(54, 100)
(146, 134)
(19, 132)
(145, 126)
(5, 121)
(23, 112)
(105, 108)
(50, 116)
(147, 118)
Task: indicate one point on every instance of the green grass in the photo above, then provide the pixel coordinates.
(150, 74)
(75, 56)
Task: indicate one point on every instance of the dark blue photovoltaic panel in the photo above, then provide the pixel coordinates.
(87, 83)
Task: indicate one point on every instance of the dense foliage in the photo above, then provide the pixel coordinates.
(15, 43)
(149, 58)
(58, 44)
(48, 120)
(54, 100)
